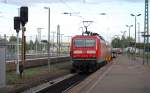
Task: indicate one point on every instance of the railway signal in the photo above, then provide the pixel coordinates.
(24, 20)
(17, 24)
(24, 15)
(17, 28)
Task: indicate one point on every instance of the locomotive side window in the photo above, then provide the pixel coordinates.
(85, 42)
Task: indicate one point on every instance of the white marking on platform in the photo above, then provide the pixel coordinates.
(99, 79)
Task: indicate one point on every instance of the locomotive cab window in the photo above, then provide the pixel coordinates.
(85, 42)
(90, 43)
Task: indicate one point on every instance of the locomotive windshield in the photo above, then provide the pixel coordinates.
(85, 42)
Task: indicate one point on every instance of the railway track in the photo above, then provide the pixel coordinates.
(34, 58)
(64, 85)
(68, 83)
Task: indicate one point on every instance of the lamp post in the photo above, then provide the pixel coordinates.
(39, 37)
(48, 43)
(123, 39)
(135, 15)
(36, 45)
(61, 42)
(129, 26)
(139, 38)
(138, 32)
(53, 41)
(69, 38)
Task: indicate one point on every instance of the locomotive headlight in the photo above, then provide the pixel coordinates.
(91, 52)
(77, 52)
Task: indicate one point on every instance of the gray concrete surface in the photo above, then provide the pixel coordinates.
(123, 76)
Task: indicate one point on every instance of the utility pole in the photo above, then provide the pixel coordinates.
(39, 33)
(139, 36)
(53, 41)
(39, 37)
(138, 32)
(69, 38)
(146, 32)
(123, 39)
(129, 41)
(36, 49)
(48, 43)
(129, 26)
(61, 42)
(58, 40)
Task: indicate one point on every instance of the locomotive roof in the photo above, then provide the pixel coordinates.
(91, 36)
(101, 38)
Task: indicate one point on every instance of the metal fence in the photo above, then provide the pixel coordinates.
(34, 47)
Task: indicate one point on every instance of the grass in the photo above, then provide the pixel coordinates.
(13, 78)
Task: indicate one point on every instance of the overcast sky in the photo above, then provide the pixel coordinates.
(117, 16)
(57, 1)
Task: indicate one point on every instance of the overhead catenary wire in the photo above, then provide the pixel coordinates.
(70, 8)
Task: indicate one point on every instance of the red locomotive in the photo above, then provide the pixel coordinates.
(88, 52)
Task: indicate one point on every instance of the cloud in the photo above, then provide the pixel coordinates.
(58, 1)
(134, 0)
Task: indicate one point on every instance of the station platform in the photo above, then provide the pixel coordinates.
(123, 75)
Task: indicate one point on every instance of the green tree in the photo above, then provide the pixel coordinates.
(122, 43)
(13, 39)
(3, 40)
(116, 43)
(31, 45)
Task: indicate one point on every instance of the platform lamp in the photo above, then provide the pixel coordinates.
(48, 43)
(135, 16)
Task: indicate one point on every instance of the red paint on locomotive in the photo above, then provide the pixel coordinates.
(88, 51)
